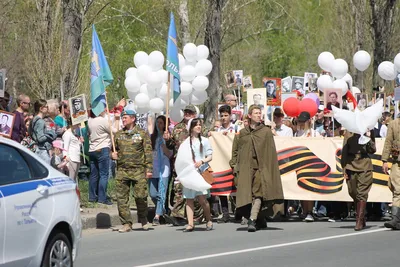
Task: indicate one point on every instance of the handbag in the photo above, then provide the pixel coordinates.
(206, 172)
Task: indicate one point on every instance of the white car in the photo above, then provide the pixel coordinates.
(40, 221)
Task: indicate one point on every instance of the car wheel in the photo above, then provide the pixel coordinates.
(58, 251)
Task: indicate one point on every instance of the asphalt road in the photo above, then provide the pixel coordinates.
(283, 244)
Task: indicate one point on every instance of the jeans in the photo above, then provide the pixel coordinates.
(99, 171)
(155, 193)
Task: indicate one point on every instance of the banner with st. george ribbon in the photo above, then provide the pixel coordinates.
(310, 169)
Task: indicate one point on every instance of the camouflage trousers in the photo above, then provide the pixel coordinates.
(178, 210)
(126, 179)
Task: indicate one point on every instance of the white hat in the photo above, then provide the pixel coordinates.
(321, 107)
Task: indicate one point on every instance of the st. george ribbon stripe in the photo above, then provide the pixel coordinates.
(313, 174)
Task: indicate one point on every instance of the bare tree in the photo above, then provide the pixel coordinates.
(212, 40)
(184, 21)
(383, 14)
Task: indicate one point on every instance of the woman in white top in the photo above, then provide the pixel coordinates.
(201, 153)
(158, 184)
(72, 146)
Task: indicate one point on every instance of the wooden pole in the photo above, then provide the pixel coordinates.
(167, 102)
(109, 122)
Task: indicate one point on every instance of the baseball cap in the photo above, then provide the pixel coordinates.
(190, 108)
(59, 144)
(278, 113)
(303, 117)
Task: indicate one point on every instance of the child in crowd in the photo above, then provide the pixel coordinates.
(58, 161)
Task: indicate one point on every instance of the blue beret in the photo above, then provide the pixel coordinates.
(128, 112)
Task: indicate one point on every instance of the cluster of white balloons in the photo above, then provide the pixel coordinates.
(339, 70)
(146, 83)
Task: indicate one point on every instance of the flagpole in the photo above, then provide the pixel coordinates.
(109, 121)
(167, 102)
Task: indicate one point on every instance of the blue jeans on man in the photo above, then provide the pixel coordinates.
(99, 173)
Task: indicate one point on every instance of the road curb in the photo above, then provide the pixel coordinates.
(103, 219)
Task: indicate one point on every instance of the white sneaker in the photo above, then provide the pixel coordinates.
(309, 218)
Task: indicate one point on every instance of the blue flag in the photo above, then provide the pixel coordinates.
(100, 76)
(172, 58)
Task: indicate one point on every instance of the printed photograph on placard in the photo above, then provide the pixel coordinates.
(273, 90)
(6, 123)
(297, 84)
(362, 101)
(379, 96)
(238, 80)
(2, 82)
(247, 83)
(229, 79)
(78, 109)
(307, 77)
(312, 85)
(286, 85)
(257, 97)
(332, 97)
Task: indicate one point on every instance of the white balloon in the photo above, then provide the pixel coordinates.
(143, 72)
(348, 79)
(387, 71)
(162, 92)
(198, 98)
(200, 83)
(325, 61)
(203, 67)
(141, 58)
(163, 75)
(361, 60)
(132, 84)
(340, 84)
(142, 100)
(156, 105)
(355, 90)
(132, 95)
(339, 68)
(202, 52)
(131, 72)
(143, 110)
(324, 82)
(156, 60)
(176, 114)
(190, 52)
(154, 80)
(188, 73)
(186, 88)
(182, 61)
(145, 89)
(397, 62)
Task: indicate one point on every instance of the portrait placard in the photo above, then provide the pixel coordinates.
(362, 101)
(6, 123)
(273, 90)
(286, 85)
(78, 109)
(247, 83)
(332, 97)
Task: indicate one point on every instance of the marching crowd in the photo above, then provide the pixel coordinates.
(145, 149)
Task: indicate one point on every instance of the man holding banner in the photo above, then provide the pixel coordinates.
(257, 175)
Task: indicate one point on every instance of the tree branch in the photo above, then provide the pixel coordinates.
(98, 13)
(244, 38)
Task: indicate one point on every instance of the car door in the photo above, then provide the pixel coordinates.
(28, 205)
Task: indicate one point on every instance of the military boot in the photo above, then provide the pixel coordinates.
(395, 222)
(360, 224)
(251, 226)
(125, 228)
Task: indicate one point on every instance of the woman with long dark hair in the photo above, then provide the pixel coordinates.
(201, 152)
(158, 184)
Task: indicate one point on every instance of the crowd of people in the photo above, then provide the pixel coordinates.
(145, 149)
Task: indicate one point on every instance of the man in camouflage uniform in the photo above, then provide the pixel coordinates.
(391, 151)
(135, 165)
(179, 134)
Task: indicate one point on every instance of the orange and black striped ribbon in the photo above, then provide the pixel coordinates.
(313, 174)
